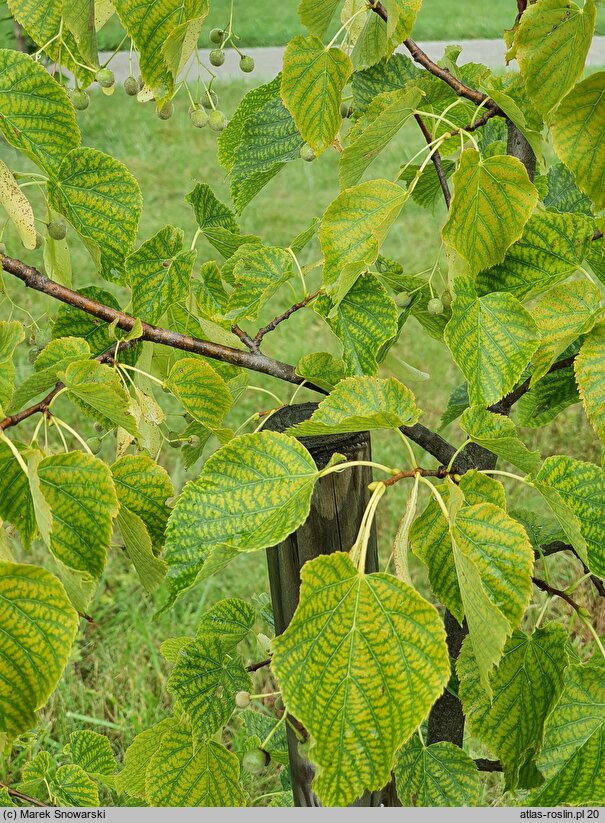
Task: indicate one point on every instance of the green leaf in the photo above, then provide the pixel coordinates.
(364, 320)
(401, 18)
(428, 188)
(183, 40)
(181, 775)
(205, 680)
(215, 219)
(159, 273)
(492, 339)
(258, 275)
(139, 548)
(38, 627)
(36, 115)
(17, 207)
(220, 512)
(551, 44)
(79, 17)
(98, 391)
(353, 229)
(203, 393)
(5, 799)
(578, 132)
(437, 775)
(73, 787)
(562, 315)
(360, 404)
(549, 397)
(552, 247)
(11, 334)
(92, 752)
(388, 75)
(249, 106)
(386, 644)
(51, 361)
(229, 620)
(80, 493)
(313, 79)
(261, 725)
(322, 369)
(144, 487)
(581, 488)
(72, 322)
(590, 373)
(102, 201)
(269, 139)
(571, 759)
(493, 200)
(525, 686)
(372, 45)
(16, 504)
(563, 194)
(131, 780)
(498, 434)
(316, 15)
(376, 133)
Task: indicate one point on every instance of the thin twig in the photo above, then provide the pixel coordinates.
(546, 587)
(245, 338)
(26, 798)
(436, 158)
(503, 406)
(440, 473)
(254, 667)
(281, 317)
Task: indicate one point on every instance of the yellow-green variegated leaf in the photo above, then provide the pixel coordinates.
(578, 131)
(229, 620)
(590, 376)
(37, 628)
(221, 512)
(79, 18)
(102, 201)
(353, 229)
(572, 759)
(139, 548)
(441, 774)
(525, 686)
(205, 679)
(71, 786)
(92, 752)
(360, 404)
(159, 273)
(360, 666)
(18, 207)
(144, 487)
(180, 774)
(11, 334)
(492, 339)
(493, 200)
(258, 275)
(376, 133)
(184, 37)
(79, 490)
(580, 487)
(36, 115)
(16, 504)
(498, 434)
(317, 14)
(322, 369)
(313, 79)
(401, 18)
(562, 315)
(98, 391)
(364, 320)
(202, 391)
(551, 44)
(6, 800)
(131, 780)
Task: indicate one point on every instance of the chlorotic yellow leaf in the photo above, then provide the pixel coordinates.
(317, 14)
(98, 391)
(257, 275)
(551, 44)
(590, 376)
(137, 542)
(493, 200)
(322, 369)
(92, 752)
(313, 79)
(441, 774)
(11, 334)
(229, 620)
(203, 393)
(181, 775)
(492, 339)
(37, 628)
(131, 780)
(17, 207)
(73, 787)
(359, 404)
(572, 759)
(16, 504)
(80, 493)
(144, 487)
(578, 131)
(360, 666)
(498, 434)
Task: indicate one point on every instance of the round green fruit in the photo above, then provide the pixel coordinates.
(216, 36)
(255, 761)
(217, 57)
(217, 120)
(131, 86)
(80, 99)
(307, 153)
(209, 99)
(403, 299)
(446, 299)
(435, 306)
(57, 229)
(246, 63)
(105, 78)
(199, 118)
(242, 700)
(167, 110)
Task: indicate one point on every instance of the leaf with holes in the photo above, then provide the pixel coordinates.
(360, 665)
(38, 626)
(493, 200)
(437, 775)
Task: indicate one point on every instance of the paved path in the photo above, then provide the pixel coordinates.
(269, 60)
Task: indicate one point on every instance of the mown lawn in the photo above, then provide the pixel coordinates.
(116, 681)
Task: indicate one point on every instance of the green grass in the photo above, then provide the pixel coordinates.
(115, 682)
